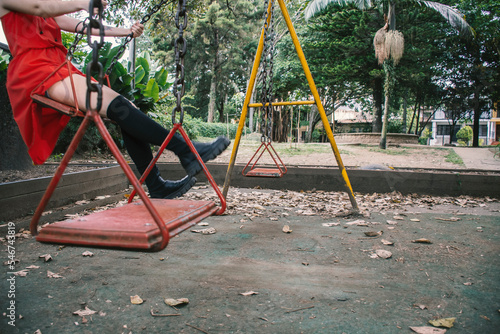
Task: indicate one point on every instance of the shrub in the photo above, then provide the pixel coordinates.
(464, 135)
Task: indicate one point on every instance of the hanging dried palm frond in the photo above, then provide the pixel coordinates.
(379, 45)
(394, 45)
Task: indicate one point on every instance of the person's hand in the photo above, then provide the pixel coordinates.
(137, 29)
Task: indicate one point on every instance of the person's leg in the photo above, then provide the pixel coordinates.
(142, 155)
(137, 124)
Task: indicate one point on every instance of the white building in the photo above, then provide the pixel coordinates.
(489, 129)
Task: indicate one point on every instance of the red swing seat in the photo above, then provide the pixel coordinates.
(146, 224)
(254, 171)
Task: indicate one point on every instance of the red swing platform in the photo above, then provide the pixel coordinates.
(145, 224)
(255, 171)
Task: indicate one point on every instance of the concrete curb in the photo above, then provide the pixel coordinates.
(18, 199)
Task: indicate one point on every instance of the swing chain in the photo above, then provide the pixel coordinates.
(180, 47)
(78, 37)
(267, 73)
(95, 21)
(130, 36)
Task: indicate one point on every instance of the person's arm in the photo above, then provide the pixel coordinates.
(71, 24)
(44, 8)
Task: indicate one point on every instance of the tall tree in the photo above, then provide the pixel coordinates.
(389, 42)
(475, 65)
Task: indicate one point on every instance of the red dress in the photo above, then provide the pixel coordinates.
(35, 44)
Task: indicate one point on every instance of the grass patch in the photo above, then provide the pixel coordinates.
(454, 158)
(392, 151)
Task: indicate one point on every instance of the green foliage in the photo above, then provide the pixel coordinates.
(150, 78)
(92, 141)
(195, 127)
(4, 63)
(465, 135)
(426, 134)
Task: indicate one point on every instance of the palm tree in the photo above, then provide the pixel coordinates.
(388, 42)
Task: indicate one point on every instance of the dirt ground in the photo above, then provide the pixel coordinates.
(353, 156)
(330, 273)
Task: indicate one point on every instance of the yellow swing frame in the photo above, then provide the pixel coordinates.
(316, 101)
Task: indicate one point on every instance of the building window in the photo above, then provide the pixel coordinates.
(444, 130)
(483, 130)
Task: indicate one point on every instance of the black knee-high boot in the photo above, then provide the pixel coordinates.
(140, 126)
(141, 154)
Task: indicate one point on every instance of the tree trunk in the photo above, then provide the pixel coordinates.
(13, 151)
(213, 88)
(477, 116)
(377, 108)
(383, 137)
(211, 104)
(405, 114)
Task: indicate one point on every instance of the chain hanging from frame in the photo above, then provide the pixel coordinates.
(266, 73)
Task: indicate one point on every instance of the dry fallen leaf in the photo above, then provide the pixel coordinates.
(358, 222)
(33, 267)
(50, 274)
(136, 300)
(85, 312)
(428, 330)
(21, 273)
(330, 224)
(287, 229)
(383, 253)
(46, 257)
(249, 293)
(176, 302)
(451, 219)
(374, 234)
(209, 230)
(387, 242)
(422, 241)
(443, 322)
(88, 253)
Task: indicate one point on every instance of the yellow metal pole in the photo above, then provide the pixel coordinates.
(244, 110)
(321, 110)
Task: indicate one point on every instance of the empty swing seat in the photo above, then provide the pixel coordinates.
(130, 226)
(265, 172)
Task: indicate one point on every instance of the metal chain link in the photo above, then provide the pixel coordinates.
(180, 48)
(267, 73)
(78, 37)
(95, 22)
(130, 37)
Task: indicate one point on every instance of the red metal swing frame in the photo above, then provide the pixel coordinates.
(150, 223)
(265, 171)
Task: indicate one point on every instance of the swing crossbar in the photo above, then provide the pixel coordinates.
(283, 103)
(279, 171)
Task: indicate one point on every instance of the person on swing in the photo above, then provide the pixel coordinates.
(33, 32)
